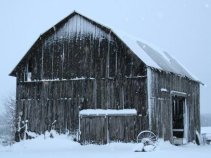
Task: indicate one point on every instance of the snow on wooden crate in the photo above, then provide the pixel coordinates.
(107, 112)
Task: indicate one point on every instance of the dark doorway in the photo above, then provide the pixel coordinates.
(178, 110)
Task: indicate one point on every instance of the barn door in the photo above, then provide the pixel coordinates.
(179, 119)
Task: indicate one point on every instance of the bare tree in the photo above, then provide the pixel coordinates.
(8, 125)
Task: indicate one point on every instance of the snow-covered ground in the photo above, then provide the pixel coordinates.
(63, 146)
(206, 130)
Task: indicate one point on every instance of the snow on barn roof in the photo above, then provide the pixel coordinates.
(154, 57)
(107, 112)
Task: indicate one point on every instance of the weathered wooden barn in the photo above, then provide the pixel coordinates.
(104, 86)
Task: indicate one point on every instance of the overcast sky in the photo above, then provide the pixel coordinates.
(180, 27)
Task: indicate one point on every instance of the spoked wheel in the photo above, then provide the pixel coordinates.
(147, 138)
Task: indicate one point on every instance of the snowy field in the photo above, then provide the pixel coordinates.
(63, 146)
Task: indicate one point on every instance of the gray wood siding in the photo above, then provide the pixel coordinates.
(106, 129)
(81, 49)
(46, 101)
(161, 105)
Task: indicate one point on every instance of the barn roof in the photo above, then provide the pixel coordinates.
(153, 58)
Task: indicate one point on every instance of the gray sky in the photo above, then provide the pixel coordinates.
(181, 27)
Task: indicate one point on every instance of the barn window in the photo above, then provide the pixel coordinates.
(28, 72)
